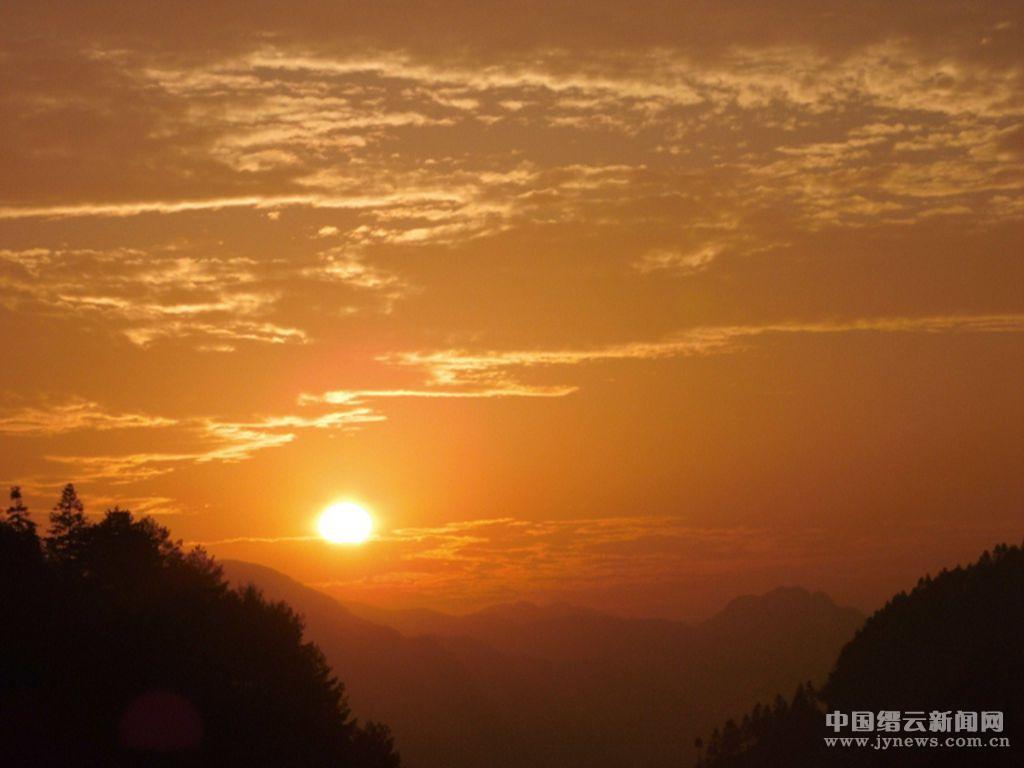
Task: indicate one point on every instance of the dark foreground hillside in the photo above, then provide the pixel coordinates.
(118, 648)
(954, 644)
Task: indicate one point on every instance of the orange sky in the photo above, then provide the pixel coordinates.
(636, 306)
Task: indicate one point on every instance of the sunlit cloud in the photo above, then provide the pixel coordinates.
(343, 266)
(505, 557)
(460, 367)
(56, 418)
(686, 262)
(286, 110)
(450, 374)
(212, 303)
(217, 441)
(138, 208)
(251, 540)
(214, 440)
(355, 396)
(628, 92)
(461, 374)
(482, 561)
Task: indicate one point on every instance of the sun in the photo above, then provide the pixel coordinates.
(345, 523)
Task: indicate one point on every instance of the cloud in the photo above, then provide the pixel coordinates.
(483, 561)
(355, 396)
(73, 416)
(832, 137)
(448, 374)
(343, 266)
(457, 373)
(684, 262)
(209, 440)
(251, 540)
(455, 366)
(217, 441)
(209, 302)
(147, 295)
(138, 208)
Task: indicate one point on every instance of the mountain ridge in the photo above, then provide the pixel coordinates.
(559, 685)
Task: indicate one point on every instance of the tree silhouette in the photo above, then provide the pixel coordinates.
(119, 648)
(67, 525)
(19, 546)
(953, 643)
(17, 514)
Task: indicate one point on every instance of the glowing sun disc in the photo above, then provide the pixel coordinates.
(345, 523)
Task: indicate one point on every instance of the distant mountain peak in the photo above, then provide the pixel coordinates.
(779, 605)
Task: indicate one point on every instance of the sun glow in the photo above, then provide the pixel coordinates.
(345, 523)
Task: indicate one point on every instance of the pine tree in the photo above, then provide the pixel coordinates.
(67, 524)
(17, 514)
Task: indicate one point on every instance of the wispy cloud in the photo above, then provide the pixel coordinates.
(448, 374)
(483, 561)
(137, 208)
(76, 415)
(464, 374)
(357, 396)
(251, 540)
(676, 260)
(326, 127)
(461, 367)
(216, 441)
(500, 558)
(172, 293)
(211, 440)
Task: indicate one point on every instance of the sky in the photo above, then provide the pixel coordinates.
(640, 306)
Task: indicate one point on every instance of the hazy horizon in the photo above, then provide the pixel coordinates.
(544, 604)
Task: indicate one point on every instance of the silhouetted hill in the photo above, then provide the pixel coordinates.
(119, 649)
(954, 643)
(439, 712)
(561, 685)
